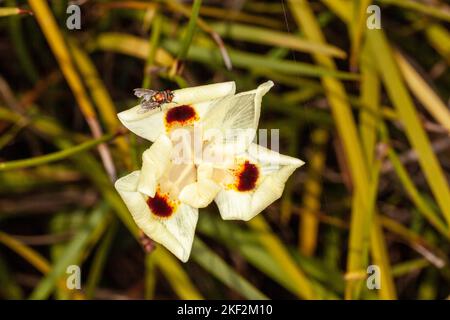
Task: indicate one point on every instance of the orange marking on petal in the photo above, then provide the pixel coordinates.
(161, 205)
(180, 116)
(246, 176)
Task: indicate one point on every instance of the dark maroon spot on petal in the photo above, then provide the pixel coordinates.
(247, 177)
(160, 206)
(181, 115)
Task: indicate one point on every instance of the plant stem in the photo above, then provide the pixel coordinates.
(59, 155)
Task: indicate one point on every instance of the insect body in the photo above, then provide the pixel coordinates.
(152, 99)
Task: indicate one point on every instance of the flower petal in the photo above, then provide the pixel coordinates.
(203, 93)
(155, 161)
(237, 117)
(151, 124)
(175, 232)
(270, 190)
(201, 193)
(234, 205)
(270, 160)
(274, 168)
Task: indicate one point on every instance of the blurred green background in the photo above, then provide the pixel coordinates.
(366, 109)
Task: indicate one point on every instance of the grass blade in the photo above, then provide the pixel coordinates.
(150, 277)
(427, 211)
(247, 243)
(176, 275)
(71, 254)
(12, 11)
(189, 35)
(442, 12)
(370, 121)
(370, 98)
(423, 92)
(357, 28)
(255, 61)
(55, 39)
(154, 43)
(380, 257)
(352, 146)
(30, 255)
(98, 263)
(20, 46)
(9, 289)
(137, 47)
(56, 156)
(413, 127)
(439, 38)
(309, 223)
(100, 96)
(276, 248)
(214, 264)
(275, 38)
(130, 45)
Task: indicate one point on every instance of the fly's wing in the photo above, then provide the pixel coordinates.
(141, 92)
(148, 105)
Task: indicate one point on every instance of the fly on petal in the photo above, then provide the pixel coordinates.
(195, 103)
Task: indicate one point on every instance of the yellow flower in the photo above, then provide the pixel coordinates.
(151, 195)
(176, 179)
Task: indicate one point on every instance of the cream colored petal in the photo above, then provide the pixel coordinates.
(270, 190)
(200, 110)
(234, 205)
(220, 154)
(176, 233)
(275, 170)
(182, 140)
(202, 93)
(155, 161)
(150, 125)
(201, 193)
(270, 160)
(237, 117)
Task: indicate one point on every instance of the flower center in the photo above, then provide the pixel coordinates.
(180, 116)
(160, 205)
(246, 176)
